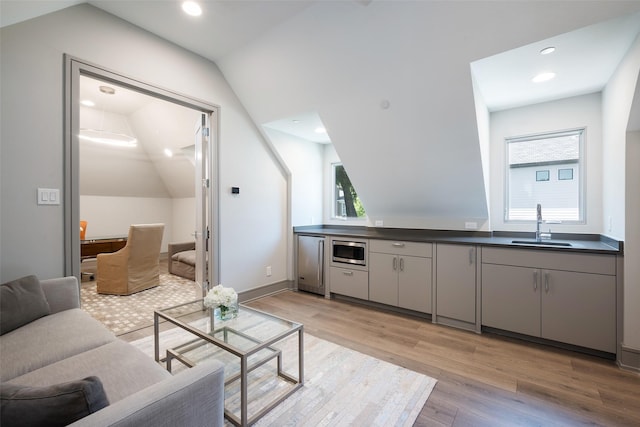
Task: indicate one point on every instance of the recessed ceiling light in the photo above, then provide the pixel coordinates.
(296, 121)
(547, 50)
(191, 8)
(321, 130)
(168, 152)
(543, 77)
(88, 103)
(107, 90)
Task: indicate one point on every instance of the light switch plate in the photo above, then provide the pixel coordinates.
(48, 196)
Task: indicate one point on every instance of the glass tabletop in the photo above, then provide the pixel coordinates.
(247, 332)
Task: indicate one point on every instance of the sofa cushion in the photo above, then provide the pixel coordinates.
(21, 301)
(187, 257)
(55, 405)
(50, 339)
(122, 368)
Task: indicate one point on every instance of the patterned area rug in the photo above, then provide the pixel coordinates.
(342, 387)
(127, 313)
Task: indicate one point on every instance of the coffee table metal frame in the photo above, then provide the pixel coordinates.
(204, 338)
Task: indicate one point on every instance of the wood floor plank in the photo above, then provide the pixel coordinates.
(483, 379)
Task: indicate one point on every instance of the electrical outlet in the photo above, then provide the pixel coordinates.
(471, 225)
(268, 270)
(379, 223)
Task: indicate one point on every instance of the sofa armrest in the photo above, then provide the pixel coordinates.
(174, 248)
(194, 397)
(62, 293)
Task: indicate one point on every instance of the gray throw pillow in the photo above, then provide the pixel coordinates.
(21, 301)
(56, 405)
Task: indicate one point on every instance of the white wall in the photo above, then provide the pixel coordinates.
(111, 216)
(304, 160)
(569, 113)
(31, 75)
(183, 214)
(617, 99)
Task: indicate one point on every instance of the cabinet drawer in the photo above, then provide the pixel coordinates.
(399, 247)
(349, 282)
(569, 261)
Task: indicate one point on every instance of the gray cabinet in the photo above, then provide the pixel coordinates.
(349, 282)
(455, 283)
(400, 274)
(565, 297)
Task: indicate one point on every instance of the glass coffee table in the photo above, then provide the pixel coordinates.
(246, 345)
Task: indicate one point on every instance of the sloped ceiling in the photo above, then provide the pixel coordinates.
(144, 170)
(392, 83)
(391, 80)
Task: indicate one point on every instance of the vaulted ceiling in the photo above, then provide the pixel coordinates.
(393, 81)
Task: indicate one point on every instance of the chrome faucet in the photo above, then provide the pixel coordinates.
(538, 222)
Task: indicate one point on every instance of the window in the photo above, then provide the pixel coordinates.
(545, 169)
(346, 201)
(565, 174)
(542, 175)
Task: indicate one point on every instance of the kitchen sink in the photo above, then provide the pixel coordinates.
(541, 243)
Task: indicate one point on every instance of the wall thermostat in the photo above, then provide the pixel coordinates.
(235, 190)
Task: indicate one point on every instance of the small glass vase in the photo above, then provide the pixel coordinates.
(226, 312)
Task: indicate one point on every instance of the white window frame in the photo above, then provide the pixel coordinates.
(580, 175)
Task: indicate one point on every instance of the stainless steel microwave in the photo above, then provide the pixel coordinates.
(349, 252)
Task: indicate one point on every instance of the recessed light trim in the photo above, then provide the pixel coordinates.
(108, 90)
(191, 8)
(88, 103)
(168, 152)
(547, 50)
(543, 77)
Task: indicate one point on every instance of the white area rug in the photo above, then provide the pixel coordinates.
(342, 387)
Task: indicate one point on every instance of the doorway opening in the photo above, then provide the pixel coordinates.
(139, 154)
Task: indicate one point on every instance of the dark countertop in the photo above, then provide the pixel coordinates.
(585, 243)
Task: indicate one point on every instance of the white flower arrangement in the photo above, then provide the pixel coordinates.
(219, 296)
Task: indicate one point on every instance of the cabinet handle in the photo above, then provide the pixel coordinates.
(471, 251)
(395, 263)
(546, 281)
(535, 280)
(398, 245)
(321, 262)
(348, 273)
(401, 264)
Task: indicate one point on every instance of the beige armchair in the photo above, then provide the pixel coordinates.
(135, 267)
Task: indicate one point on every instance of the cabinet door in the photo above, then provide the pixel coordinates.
(383, 278)
(352, 283)
(414, 283)
(511, 298)
(579, 309)
(456, 282)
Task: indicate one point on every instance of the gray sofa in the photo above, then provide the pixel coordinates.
(182, 259)
(68, 345)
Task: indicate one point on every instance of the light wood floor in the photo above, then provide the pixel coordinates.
(483, 380)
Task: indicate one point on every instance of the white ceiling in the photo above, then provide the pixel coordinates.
(144, 170)
(583, 61)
